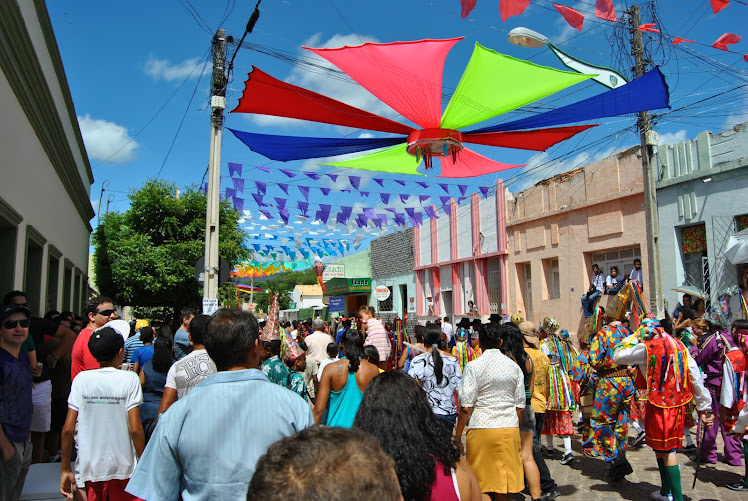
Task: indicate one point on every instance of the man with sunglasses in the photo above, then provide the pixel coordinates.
(15, 401)
(43, 331)
(99, 311)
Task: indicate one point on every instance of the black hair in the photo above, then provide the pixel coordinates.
(307, 466)
(146, 334)
(371, 353)
(418, 331)
(446, 319)
(9, 297)
(431, 338)
(687, 295)
(511, 345)
(52, 313)
(490, 336)
(274, 346)
(354, 349)
(695, 306)
(162, 355)
(595, 265)
(67, 315)
(667, 324)
(93, 305)
(396, 411)
(295, 324)
(197, 328)
(332, 350)
(231, 335)
(302, 345)
(614, 268)
(346, 323)
(740, 324)
(637, 260)
(186, 313)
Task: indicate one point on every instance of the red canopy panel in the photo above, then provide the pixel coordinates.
(536, 140)
(472, 164)
(266, 95)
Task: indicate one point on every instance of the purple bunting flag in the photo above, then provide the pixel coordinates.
(312, 175)
(423, 198)
(341, 218)
(230, 192)
(379, 181)
(401, 183)
(484, 190)
(346, 190)
(355, 181)
(448, 209)
(261, 187)
(365, 193)
(347, 211)
(404, 198)
(334, 177)
(238, 184)
(304, 191)
(263, 168)
(288, 172)
(283, 187)
(283, 213)
(463, 189)
(385, 197)
(445, 200)
(369, 213)
(235, 169)
(383, 218)
(445, 187)
(422, 184)
(266, 214)
(280, 202)
(322, 216)
(325, 191)
(324, 208)
(390, 209)
(258, 199)
(461, 199)
(238, 203)
(411, 211)
(430, 212)
(303, 206)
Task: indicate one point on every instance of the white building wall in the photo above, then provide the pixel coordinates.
(464, 231)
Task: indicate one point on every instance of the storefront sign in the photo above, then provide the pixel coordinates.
(336, 304)
(291, 306)
(381, 292)
(338, 286)
(412, 304)
(333, 271)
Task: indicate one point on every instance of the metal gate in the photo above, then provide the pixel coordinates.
(494, 285)
(723, 273)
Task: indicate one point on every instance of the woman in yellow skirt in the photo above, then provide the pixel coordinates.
(492, 400)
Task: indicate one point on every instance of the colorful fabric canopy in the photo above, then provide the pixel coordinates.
(536, 140)
(286, 148)
(495, 83)
(472, 164)
(649, 92)
(266, 95)
(395, 159)
(407, 76)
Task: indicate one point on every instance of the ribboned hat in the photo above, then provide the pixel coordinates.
(8, 309)
(105, 343)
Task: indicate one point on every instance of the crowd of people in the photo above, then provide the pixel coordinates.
(228, 407)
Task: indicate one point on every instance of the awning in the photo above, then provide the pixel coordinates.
(343, 286)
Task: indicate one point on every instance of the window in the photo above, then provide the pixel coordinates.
(386, 305)
(550, 266)
(623, 259)
(524, 274)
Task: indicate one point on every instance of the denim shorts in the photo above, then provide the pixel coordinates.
(528, 420)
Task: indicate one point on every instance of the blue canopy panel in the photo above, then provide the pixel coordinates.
(648, 92)
(286, 148)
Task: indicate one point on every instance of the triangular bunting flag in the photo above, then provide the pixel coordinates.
(725, 40)
(423, 198)
(484, 190)
(283, 187)
(325, 191)
(261, 187)
(385, 197)
(404, 198)
(379, 181)
(235, 169)
(364, 193)
(238, 184)
(230, 192)
(604, 9)
(401, 183)
(288, 172)
(463, 189)
(718, 5)
(445, 187)
(355, 181)
(238, 203)
(574, 18)
(280, 202)
(263, 168)
(334, 177)
(447, 209)
(445, 200)
(312, 175)
(303, 206)
(509, 8)
(422, 184)
(304, 191)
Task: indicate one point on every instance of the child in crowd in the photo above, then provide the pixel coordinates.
(332, 356)
(371, 354)
(103, 409)
(295, 359)
(463, 349)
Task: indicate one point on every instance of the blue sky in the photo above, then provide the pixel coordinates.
(127, 61)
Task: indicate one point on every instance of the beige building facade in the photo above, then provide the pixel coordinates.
(558, 228)
(46, 177)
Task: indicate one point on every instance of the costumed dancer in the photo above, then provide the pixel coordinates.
(585, 377)
(711, 359)
(673, 380)
(463, 348)
(637, 411)
(735, 393)
(613, 393)
(561, 399)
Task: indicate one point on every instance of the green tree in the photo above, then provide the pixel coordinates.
(146, 256)
(282, 283)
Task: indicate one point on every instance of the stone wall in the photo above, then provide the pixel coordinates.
(392, 254)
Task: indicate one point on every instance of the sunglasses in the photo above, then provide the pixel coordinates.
(11, 324)
(106, 313)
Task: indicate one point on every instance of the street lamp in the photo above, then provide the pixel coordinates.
(524, 37)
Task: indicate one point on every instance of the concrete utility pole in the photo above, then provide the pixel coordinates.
(648, 139)
(218, 104)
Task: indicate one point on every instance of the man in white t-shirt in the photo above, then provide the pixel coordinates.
(188, 372)
(103, 406)
(318, 340)
(448, 329)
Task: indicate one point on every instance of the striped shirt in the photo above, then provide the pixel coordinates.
(131, 344)
(377, 336)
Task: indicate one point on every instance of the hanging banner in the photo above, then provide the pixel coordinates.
(333, 271)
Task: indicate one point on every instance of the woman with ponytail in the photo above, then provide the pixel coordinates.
(439, 373)
(343, 383)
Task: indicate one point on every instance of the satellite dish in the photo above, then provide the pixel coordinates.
(525, 37)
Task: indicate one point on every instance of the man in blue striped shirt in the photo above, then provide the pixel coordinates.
(207, 444)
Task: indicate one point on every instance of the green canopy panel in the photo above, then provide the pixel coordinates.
(396, 160)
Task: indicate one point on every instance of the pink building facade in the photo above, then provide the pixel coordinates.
(462, 257)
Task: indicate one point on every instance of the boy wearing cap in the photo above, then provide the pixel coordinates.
(15, 401)
(104, 404)
(295, 359)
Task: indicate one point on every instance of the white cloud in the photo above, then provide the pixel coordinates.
(162, 69)
(345, 90)
(105, 139)
(741, 115)
(673, 137)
